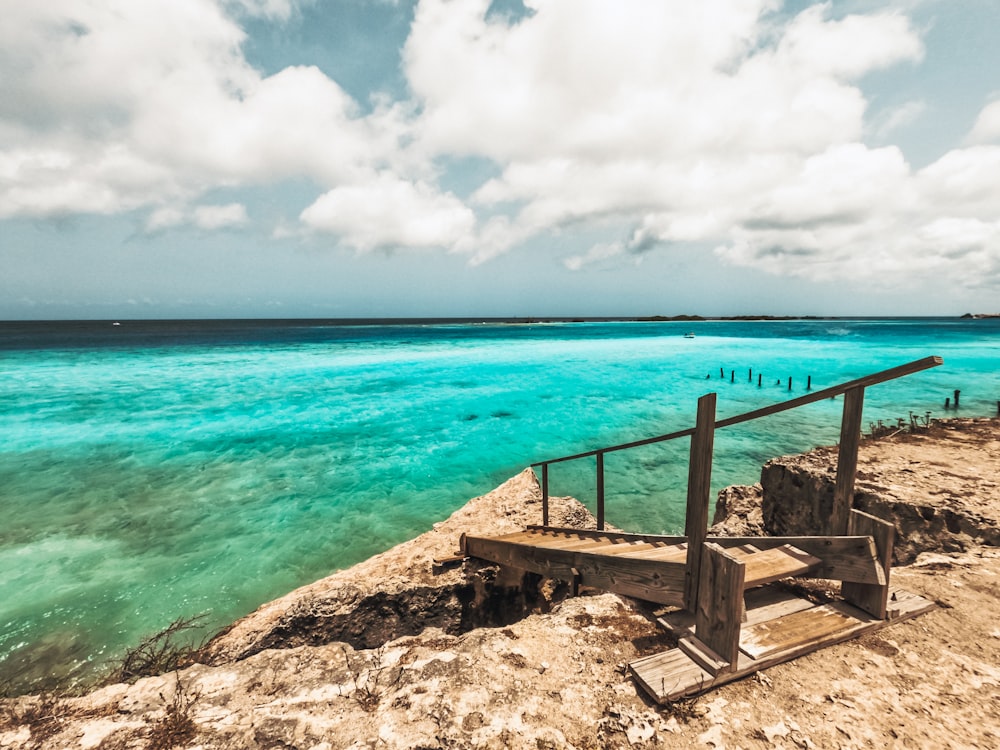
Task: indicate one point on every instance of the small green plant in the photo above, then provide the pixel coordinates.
(159, 653)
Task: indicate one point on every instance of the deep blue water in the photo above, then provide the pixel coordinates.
(159, 469)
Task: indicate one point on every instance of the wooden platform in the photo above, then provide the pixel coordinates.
(779, 627)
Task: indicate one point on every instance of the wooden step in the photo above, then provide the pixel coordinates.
(773, 564)
(666, 553)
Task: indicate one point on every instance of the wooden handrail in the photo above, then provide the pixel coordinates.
(873, 379)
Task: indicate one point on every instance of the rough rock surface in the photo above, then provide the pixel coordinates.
(738, 511)
(939, 487)
(554, 679)
(399, 592)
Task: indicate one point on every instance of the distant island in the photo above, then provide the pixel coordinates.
(980, 316)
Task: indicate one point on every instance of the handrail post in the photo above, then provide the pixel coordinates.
(847, 460)
(600, 491)
(698, 495)
(545, 494)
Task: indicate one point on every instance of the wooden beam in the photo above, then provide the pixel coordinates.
(720, 603)
(872, 598)
(545, 494)
(600, 491)
(847, 460)
(699, 492)
(777, 563)
(651, 580)
(842, 558)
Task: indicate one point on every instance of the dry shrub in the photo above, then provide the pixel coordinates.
(159, 653)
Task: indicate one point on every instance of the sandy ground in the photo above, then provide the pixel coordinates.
(555, 679)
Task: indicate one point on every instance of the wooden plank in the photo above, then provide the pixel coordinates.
(702, 655)
(671, 678)
(773, 564)
(624, 548)
(847, 460)
(720, 602)
(768, 603)
(799, 631)
(673, 552)
(903, 605)
(622, 535)
(669, 675)
(872, 598)
(699, 492)
(651, 580)
(842, 558)
(600, 491)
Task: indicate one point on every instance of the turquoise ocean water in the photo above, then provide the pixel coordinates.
(153, 470)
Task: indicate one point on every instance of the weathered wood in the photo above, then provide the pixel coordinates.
(699, 492)
(768, 602)
(675, 552)
(651, 580)
(623, 535)
(872, 598)
(671, 674)
(903, 605)
(847, 460)
(760, 604)
(702, 655)
(625, 548)
(773, 564)
(545, 494)
(842, 558)
(797, 633)
(720, 602)
(600, 491)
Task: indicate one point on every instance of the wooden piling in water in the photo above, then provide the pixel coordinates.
(809, 383)
(761, 378)
(789, 382)
(956, 398)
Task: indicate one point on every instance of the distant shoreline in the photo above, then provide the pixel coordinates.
(514, 320)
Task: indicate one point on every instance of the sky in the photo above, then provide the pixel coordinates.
(426, 158)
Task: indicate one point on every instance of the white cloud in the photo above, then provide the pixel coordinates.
(596, 254)
(388, 212)
(130, 103)
(704, 123)
(987, 126)
(891, 120)
(219, 217)
(733, 124)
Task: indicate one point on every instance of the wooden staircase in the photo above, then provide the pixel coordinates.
(729, 616)
(743, 621)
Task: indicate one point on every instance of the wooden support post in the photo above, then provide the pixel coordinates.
(600, 492)
(720, 603)
(872, 598)
(545, 494)
(847, 460)
(698, 495)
